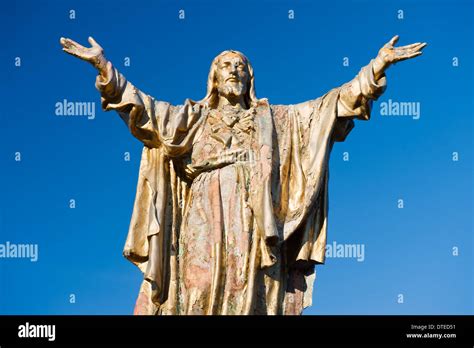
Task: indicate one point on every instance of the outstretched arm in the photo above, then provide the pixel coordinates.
(133, 106)
(356, 96)
(113, 86)
(155, 123)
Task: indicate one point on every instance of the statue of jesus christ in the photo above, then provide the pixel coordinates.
(231, 208)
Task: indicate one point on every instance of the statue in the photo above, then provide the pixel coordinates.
(231, 208)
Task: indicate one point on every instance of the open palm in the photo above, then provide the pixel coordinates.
(89, 54)
(390, 54)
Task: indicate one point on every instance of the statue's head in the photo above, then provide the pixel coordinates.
(231, 75)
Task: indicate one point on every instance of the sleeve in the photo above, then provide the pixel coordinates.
(356, 96)
(155, 123)
(305, 134)
(304, 140)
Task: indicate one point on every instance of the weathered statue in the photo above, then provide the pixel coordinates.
(232, 199)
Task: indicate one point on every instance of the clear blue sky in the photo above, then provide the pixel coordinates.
(408, 251)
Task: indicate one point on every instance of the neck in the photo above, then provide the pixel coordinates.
(236, 102)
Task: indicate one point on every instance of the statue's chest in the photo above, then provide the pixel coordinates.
(223, 133)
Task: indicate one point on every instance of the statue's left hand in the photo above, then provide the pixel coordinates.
(389, 54)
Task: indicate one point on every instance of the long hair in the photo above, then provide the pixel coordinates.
(212, 96)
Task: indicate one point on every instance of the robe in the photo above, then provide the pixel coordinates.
(230, 218)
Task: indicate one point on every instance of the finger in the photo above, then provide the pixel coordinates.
(64, 42)
(422, 45)
(413, 47)
(410, 46)
(71, 44)
(70, 49)
(392, 41)
(408, 52)
(71, 52)
(408, 56)
(93, 42)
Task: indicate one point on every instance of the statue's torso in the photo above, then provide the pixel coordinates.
(217, 240)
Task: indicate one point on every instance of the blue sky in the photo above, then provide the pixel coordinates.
(408, 251)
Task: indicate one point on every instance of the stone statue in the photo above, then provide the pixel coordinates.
(231, 208)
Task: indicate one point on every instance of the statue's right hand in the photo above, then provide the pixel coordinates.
(93, 55)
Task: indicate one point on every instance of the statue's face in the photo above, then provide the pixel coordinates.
(232, 75)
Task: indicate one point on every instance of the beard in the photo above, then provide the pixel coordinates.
(231, 90)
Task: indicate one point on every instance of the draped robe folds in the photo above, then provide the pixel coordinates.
(287, 191)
